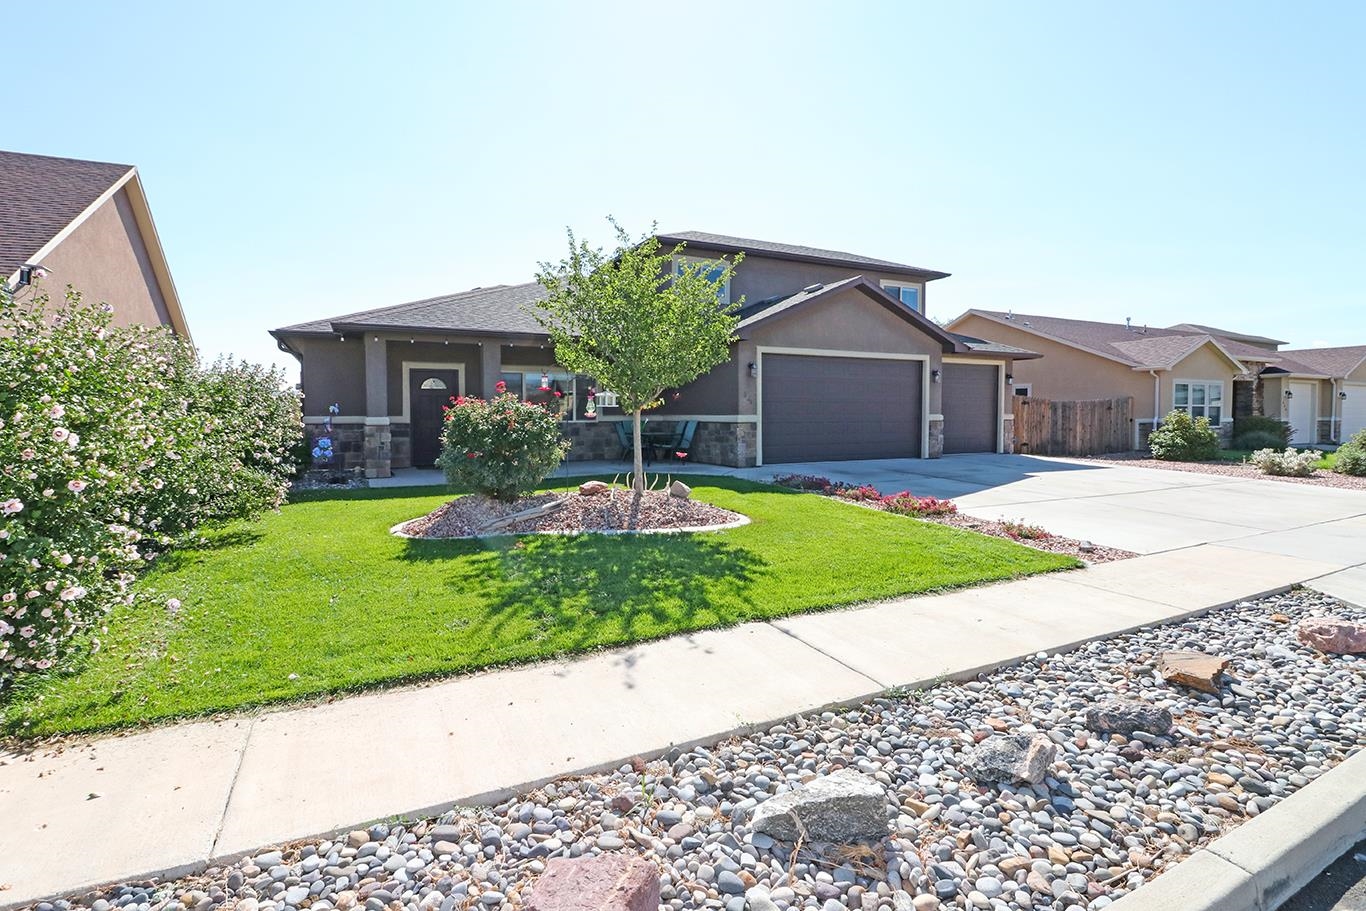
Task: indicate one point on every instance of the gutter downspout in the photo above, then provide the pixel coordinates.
(1335, 421)
(1157, 397)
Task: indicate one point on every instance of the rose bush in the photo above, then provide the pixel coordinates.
(114, 444)
(503, 447)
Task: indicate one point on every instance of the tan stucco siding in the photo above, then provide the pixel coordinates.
(849, 321)
(332, 372)
(1065, 373)
(106, 259)
(760, 278)
(1204, 365)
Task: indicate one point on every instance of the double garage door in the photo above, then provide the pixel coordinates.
(819, 409)
(1353, 409)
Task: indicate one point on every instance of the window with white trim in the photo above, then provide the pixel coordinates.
(1199, 400)
(713, 273)
(907, 294)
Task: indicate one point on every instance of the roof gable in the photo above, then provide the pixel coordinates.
(818, 293)
(43, 196)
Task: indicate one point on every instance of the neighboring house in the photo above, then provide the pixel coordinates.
(1203, 370)
(1162, 369)
(835, 360)
(84, 224)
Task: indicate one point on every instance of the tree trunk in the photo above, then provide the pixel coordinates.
(638, 474)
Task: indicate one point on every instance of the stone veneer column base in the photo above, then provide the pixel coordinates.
(936, 439)
(1008, 433)
(377, 450)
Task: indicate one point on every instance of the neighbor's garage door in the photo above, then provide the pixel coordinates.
(971, 407)
(1353, 409)
(826, 408)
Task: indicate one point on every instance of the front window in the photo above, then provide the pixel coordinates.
(564, 393)
(907, 294)
(713, 273)
(1199, 400)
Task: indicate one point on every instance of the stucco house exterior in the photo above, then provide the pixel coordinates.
(1209, 372)
(835, 359)
(85, 224)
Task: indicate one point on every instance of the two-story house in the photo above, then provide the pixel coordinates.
(834, 360)
(85, 224)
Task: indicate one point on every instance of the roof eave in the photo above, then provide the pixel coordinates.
(928, 275)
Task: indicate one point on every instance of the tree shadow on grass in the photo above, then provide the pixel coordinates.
(571, 593)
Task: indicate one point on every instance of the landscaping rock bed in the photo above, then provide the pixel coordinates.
(1112, 809)
(1319, 478)
(1031, 536)
(608, 510)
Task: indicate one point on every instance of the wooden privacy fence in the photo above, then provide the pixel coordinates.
(1044, 427)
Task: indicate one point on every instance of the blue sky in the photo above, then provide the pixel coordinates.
(1165, 162)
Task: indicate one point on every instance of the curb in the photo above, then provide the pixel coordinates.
(1266, 860)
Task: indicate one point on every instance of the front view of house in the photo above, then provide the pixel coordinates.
(834, 359)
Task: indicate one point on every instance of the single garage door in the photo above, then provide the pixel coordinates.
(971, 407)
(819, 409)
(1353, 409)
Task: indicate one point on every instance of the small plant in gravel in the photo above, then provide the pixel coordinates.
(1292, 463)
(1182, 438)
(502, 448)
(1351, 456)
(1021, 531)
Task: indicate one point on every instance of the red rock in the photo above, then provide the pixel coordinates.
(593, 488)
(1333, 634)
(622, 803)
(1193, 669)
(608, 882)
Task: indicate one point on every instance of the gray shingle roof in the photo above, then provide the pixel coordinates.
(982, 346)
(1137, 346)
(39, 196)
(1230, 334)
(1334, 362)
(725, 243)
(496, 310)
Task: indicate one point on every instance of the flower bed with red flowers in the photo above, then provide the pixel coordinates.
(945, 512)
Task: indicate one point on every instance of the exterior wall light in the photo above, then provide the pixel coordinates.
(1289, 394)
(1010, 378)
(754, 370)
(936, 376)
(1342, 395)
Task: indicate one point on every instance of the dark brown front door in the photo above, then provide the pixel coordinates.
(430, 391)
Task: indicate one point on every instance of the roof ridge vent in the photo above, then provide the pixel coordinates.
(1129, 323)
(812, 289)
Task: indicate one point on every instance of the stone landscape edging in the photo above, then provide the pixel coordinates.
(1266, 860)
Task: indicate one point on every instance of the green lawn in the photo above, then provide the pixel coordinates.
(320, 598)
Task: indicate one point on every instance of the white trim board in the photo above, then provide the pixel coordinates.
(409, 366)
(761, 350)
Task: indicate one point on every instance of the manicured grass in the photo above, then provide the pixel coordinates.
(320, 598)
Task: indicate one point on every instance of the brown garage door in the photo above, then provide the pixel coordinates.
(971, 407)
(826, 408)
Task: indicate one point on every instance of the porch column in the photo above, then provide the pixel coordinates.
(491, 366)
(377, 438)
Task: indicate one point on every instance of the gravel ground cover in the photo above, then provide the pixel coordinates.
(1236, 470)
(613, 509)
(1112, 812)
(1038, 538)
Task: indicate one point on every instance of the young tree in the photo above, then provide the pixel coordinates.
(634, 323)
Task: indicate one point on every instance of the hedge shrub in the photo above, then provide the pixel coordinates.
(503, 447)
(115, 443)
(1258, 432)
(1292, 463)
(1351, 456)
(1181, 438)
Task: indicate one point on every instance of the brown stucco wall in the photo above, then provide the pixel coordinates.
(714, 392)
(467, 356)
(760, 278)
(332, 371)
(106, 259)
(848, 321)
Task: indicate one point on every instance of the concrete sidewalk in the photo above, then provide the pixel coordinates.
(169, 801)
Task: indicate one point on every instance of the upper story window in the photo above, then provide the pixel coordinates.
(714, 273)
(907, 294)
(1199, 400)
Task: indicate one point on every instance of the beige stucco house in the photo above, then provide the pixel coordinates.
(1203, 370)
(834, 359)
(85, 224)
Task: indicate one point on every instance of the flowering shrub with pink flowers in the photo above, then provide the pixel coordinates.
(114, 444)
(903, 503)
(502, 447)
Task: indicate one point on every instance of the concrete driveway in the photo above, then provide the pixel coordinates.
(1146, 510)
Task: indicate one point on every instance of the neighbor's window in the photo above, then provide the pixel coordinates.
(907, 294)
(714, 273)
(1200, 400)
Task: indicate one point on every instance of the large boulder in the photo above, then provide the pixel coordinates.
(1333, 634)
(1193, 669)
(607, 882)
(593, 488)
(841, 807)
(1119, 717)
(1012, 758)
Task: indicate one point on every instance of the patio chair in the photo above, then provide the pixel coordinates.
(681, 442)
(627, 441)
